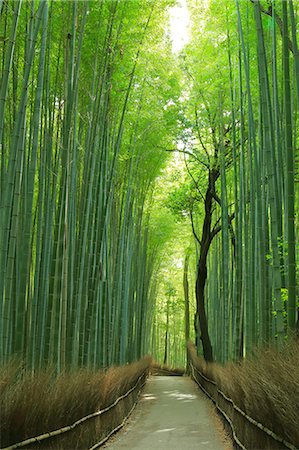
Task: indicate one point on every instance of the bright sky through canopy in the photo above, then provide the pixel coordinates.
(179, 22)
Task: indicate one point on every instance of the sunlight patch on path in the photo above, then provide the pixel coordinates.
(165, 430)
(179, 396)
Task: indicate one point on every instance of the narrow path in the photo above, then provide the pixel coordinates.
(172, 414)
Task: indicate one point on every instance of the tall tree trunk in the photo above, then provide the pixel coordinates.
(166, 333)
(200, 302)
(187, 308)
(206, 239)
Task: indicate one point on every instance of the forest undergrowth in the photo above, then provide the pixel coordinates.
(165, 370)
(264, 385)
(33, 404)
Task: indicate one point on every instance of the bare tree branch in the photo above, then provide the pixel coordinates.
(193, 179)
(193, 228)
(216, 197)
(216, 226)
(217, 229)
(199, 135)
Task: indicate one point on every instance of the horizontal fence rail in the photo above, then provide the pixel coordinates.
(98, 444)
(60, 431)
(245, 416)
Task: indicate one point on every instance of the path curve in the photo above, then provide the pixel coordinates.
(172, 414)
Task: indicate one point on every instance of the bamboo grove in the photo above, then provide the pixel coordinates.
(94, 109)
(241, 151)
(78, 129)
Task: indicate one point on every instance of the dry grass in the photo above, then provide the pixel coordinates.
(118, 380)
(34, 404)
(222, 433)
(162, 369)
(31, 405)
(265, 386)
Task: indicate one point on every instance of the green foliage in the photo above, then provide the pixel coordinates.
(83, 114)
(107, 142)
(233, 120)
(180, 201)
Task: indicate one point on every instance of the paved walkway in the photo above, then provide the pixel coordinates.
(172, 414)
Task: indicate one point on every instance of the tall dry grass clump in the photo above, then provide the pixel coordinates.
(265, 386)
(33, 404)
(120, 379)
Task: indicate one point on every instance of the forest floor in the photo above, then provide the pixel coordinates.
(172, 414)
